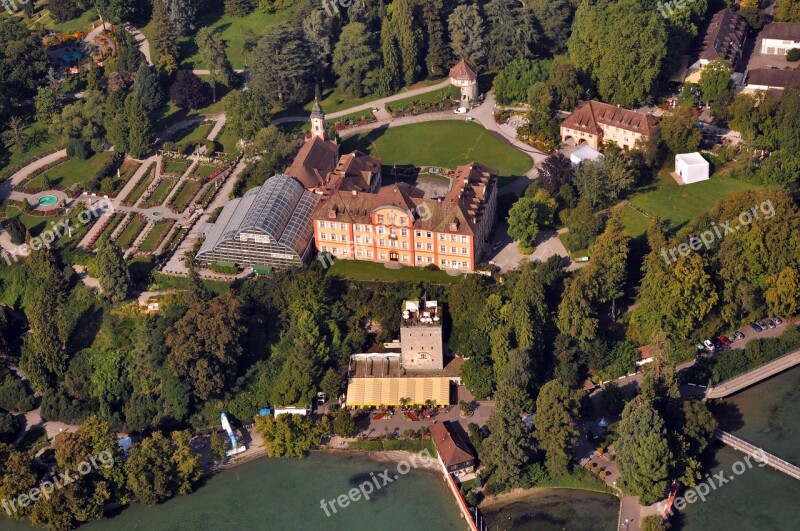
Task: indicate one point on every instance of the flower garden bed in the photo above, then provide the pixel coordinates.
(160, 193)
(131, 232)
(147, 178)
(183, 197)
(175, 167)
(156, 236)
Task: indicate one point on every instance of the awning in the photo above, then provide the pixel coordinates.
(388, 391)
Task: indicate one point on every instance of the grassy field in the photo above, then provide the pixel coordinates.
(160, 193)
(358, 270)
(205, 170)
(184, 196)
(676, 205)
(171, 114)
(130, 233)
(228, 141)
(429, 97)
(151, 241)
(444, 143)
(35, 224)
(177, 166)
(73, 172)
(137, 192)
(83, 23)
(235, 32)
(39, 142)
(197, 133)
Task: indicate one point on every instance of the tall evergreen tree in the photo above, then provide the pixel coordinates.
(165, 38)
(117, 131)
(182, 14)
(112, 271)
(148, 88)
(467, 33)
(512, 32)
(355, 61)
(437, 54)
(408, 37)
(212, 48)
(282, 72)
(556, 429)
(140, 133)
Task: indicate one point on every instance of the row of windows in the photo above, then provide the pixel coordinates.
(392, 231)
(362, 253)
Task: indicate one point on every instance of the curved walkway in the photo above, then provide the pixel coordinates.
(754, 376)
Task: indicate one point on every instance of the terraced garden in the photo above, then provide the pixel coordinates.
(72, 172)
(151, 241)
(175, 166)
(180, 201)
(161, 192)
(128, 236)
(145, 181)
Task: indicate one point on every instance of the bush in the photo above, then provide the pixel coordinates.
(14, 396)
(8, 426)
(188, 91)
(224, 269)
(793, 55)
(107, 170)
(16, 230)
(78, 149)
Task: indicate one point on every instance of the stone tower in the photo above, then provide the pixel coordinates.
(318, 122)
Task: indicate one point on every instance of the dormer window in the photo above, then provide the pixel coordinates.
(453, 226)
(332, 213)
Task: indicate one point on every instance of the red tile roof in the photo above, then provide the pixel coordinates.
(355, 171)
(785, 31)
(463, 70)
(590, 115)
(315, 160)
(452, 448)
(773, 77)
(724, 37)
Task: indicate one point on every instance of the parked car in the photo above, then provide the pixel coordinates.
(709, 345)
(770, 323)
(725, 341)
(756, 328)
(762, 324)
(699, 346)
(717, 343)
(738, 336)
(461, 110)
(496, 245)
(470, 119)
(777, 320)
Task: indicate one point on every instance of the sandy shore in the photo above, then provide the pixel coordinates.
(416, 461)
(506, 498)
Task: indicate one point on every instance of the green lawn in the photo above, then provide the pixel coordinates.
(228, 141)
(73, 172)
(160, 193)
(130, 233)
(141, 186)
(676, 205)
(197, 133)
(429, 97)
(171, 114)
(205, 170)
(235, 31)
(82, 23)
(39, 142)
(35, 224)
(36, 437)
(443, 143)
(184, 196)
(635, 223)
(177, 166)
(151, 241)
(358, 270)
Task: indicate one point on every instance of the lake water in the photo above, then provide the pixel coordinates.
(767, 415)
(556, 510)
(285, 494)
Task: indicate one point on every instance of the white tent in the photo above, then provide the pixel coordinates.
(585, 152)
(691, 167)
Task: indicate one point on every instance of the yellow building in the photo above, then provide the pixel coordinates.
(595, 123)
(395, 224)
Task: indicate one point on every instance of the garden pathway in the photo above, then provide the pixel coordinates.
(7, 186)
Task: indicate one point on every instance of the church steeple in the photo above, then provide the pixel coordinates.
(318, 119)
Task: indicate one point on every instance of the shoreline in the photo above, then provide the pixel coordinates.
(507, 498)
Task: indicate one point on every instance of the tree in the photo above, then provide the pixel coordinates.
(512, 32)
(406, 35)
(555, 172)
(16, 132)
(44, 359)
(438, 55)
(185, 461)
(555, 421)
(150, 470)
(17, 477)
(239, 8)
(343, 424)
(115, 11)
(679, 131)
(117, 130)
(291, 435)
(355, 61)
(555, 19)
(212, 49)
(715, 79)
(319, 30)
(112, 271)
(23, 64)
(783, 295)
(512, 83)
(63, 10)
(148, 89)
(598, 47)
(643, 454)
(332, 384)
(525, 219)
(204, 345)
(282, 73)
(165, 37)
(196, 290)
(16, 230)
(564, 83)
(48, 104)
(247, 113)
(508, 450)
(181, 14)
(188, 91)
(590, 181)
(478, 376)
(466, 33)
(787, 11)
